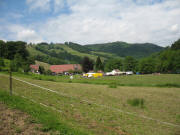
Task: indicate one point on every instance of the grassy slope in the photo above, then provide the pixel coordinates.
(34, 52)
(74, 52)
(93, 54)
(160, 103)
(41, 114)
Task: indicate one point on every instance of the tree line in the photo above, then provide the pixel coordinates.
(17, 53)
(166, 61)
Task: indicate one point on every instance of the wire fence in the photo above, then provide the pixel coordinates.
(30, 89)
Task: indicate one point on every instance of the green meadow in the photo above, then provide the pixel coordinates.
(137, 105)
(163, 80)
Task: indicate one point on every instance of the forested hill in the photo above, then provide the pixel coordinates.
(73, 53)
(123, 49)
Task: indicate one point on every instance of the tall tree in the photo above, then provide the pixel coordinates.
(2, 48)
(14, 48)
(130, 63)
(114, 64)
(176, 45)
(147, 65)
(87, 64)
(98, 64)
(21, 49)
(1, 62)
(41, 70)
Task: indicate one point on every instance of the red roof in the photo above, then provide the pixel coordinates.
(35, 67)
(64, 68)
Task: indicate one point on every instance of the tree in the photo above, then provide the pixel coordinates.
(113, 64)
(147, 65)
(169, 61)
(98, 64)
(176, 45)
(26, 68)
(41, 70)
(130, 63)
(2, 48)
(48, 72)
(87, 64)
(19, 61)
(2, 62)
(13, 48)
(13, 66)
(21, 49)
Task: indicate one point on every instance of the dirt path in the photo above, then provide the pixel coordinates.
(15, 122)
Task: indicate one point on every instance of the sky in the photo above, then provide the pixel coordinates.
(90, 21)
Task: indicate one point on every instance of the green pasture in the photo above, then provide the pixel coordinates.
(163, 80)
(99, 109)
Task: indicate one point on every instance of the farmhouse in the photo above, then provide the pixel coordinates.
(34, 68)
(60, 69)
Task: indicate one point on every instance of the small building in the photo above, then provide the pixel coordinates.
(61, 69)
(34, 68)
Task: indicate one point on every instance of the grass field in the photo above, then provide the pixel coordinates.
(163, 80)
(98, 109)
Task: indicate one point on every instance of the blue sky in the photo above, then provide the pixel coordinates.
(90, 21)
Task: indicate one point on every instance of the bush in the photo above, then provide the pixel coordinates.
(136, 102)
(113, 85)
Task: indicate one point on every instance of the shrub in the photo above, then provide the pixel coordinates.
(113, 85)
(136, 102)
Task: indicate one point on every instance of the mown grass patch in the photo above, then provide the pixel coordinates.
(41, 114)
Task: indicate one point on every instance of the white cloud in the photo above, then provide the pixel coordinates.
(40, 5)
(174, 28)
(45, 5)
(18, 32)
(107, 21)
(58, 5)
(92, 21)
(15, 15)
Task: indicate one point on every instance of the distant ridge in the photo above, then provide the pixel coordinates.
(73, 53)
(122, 49)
